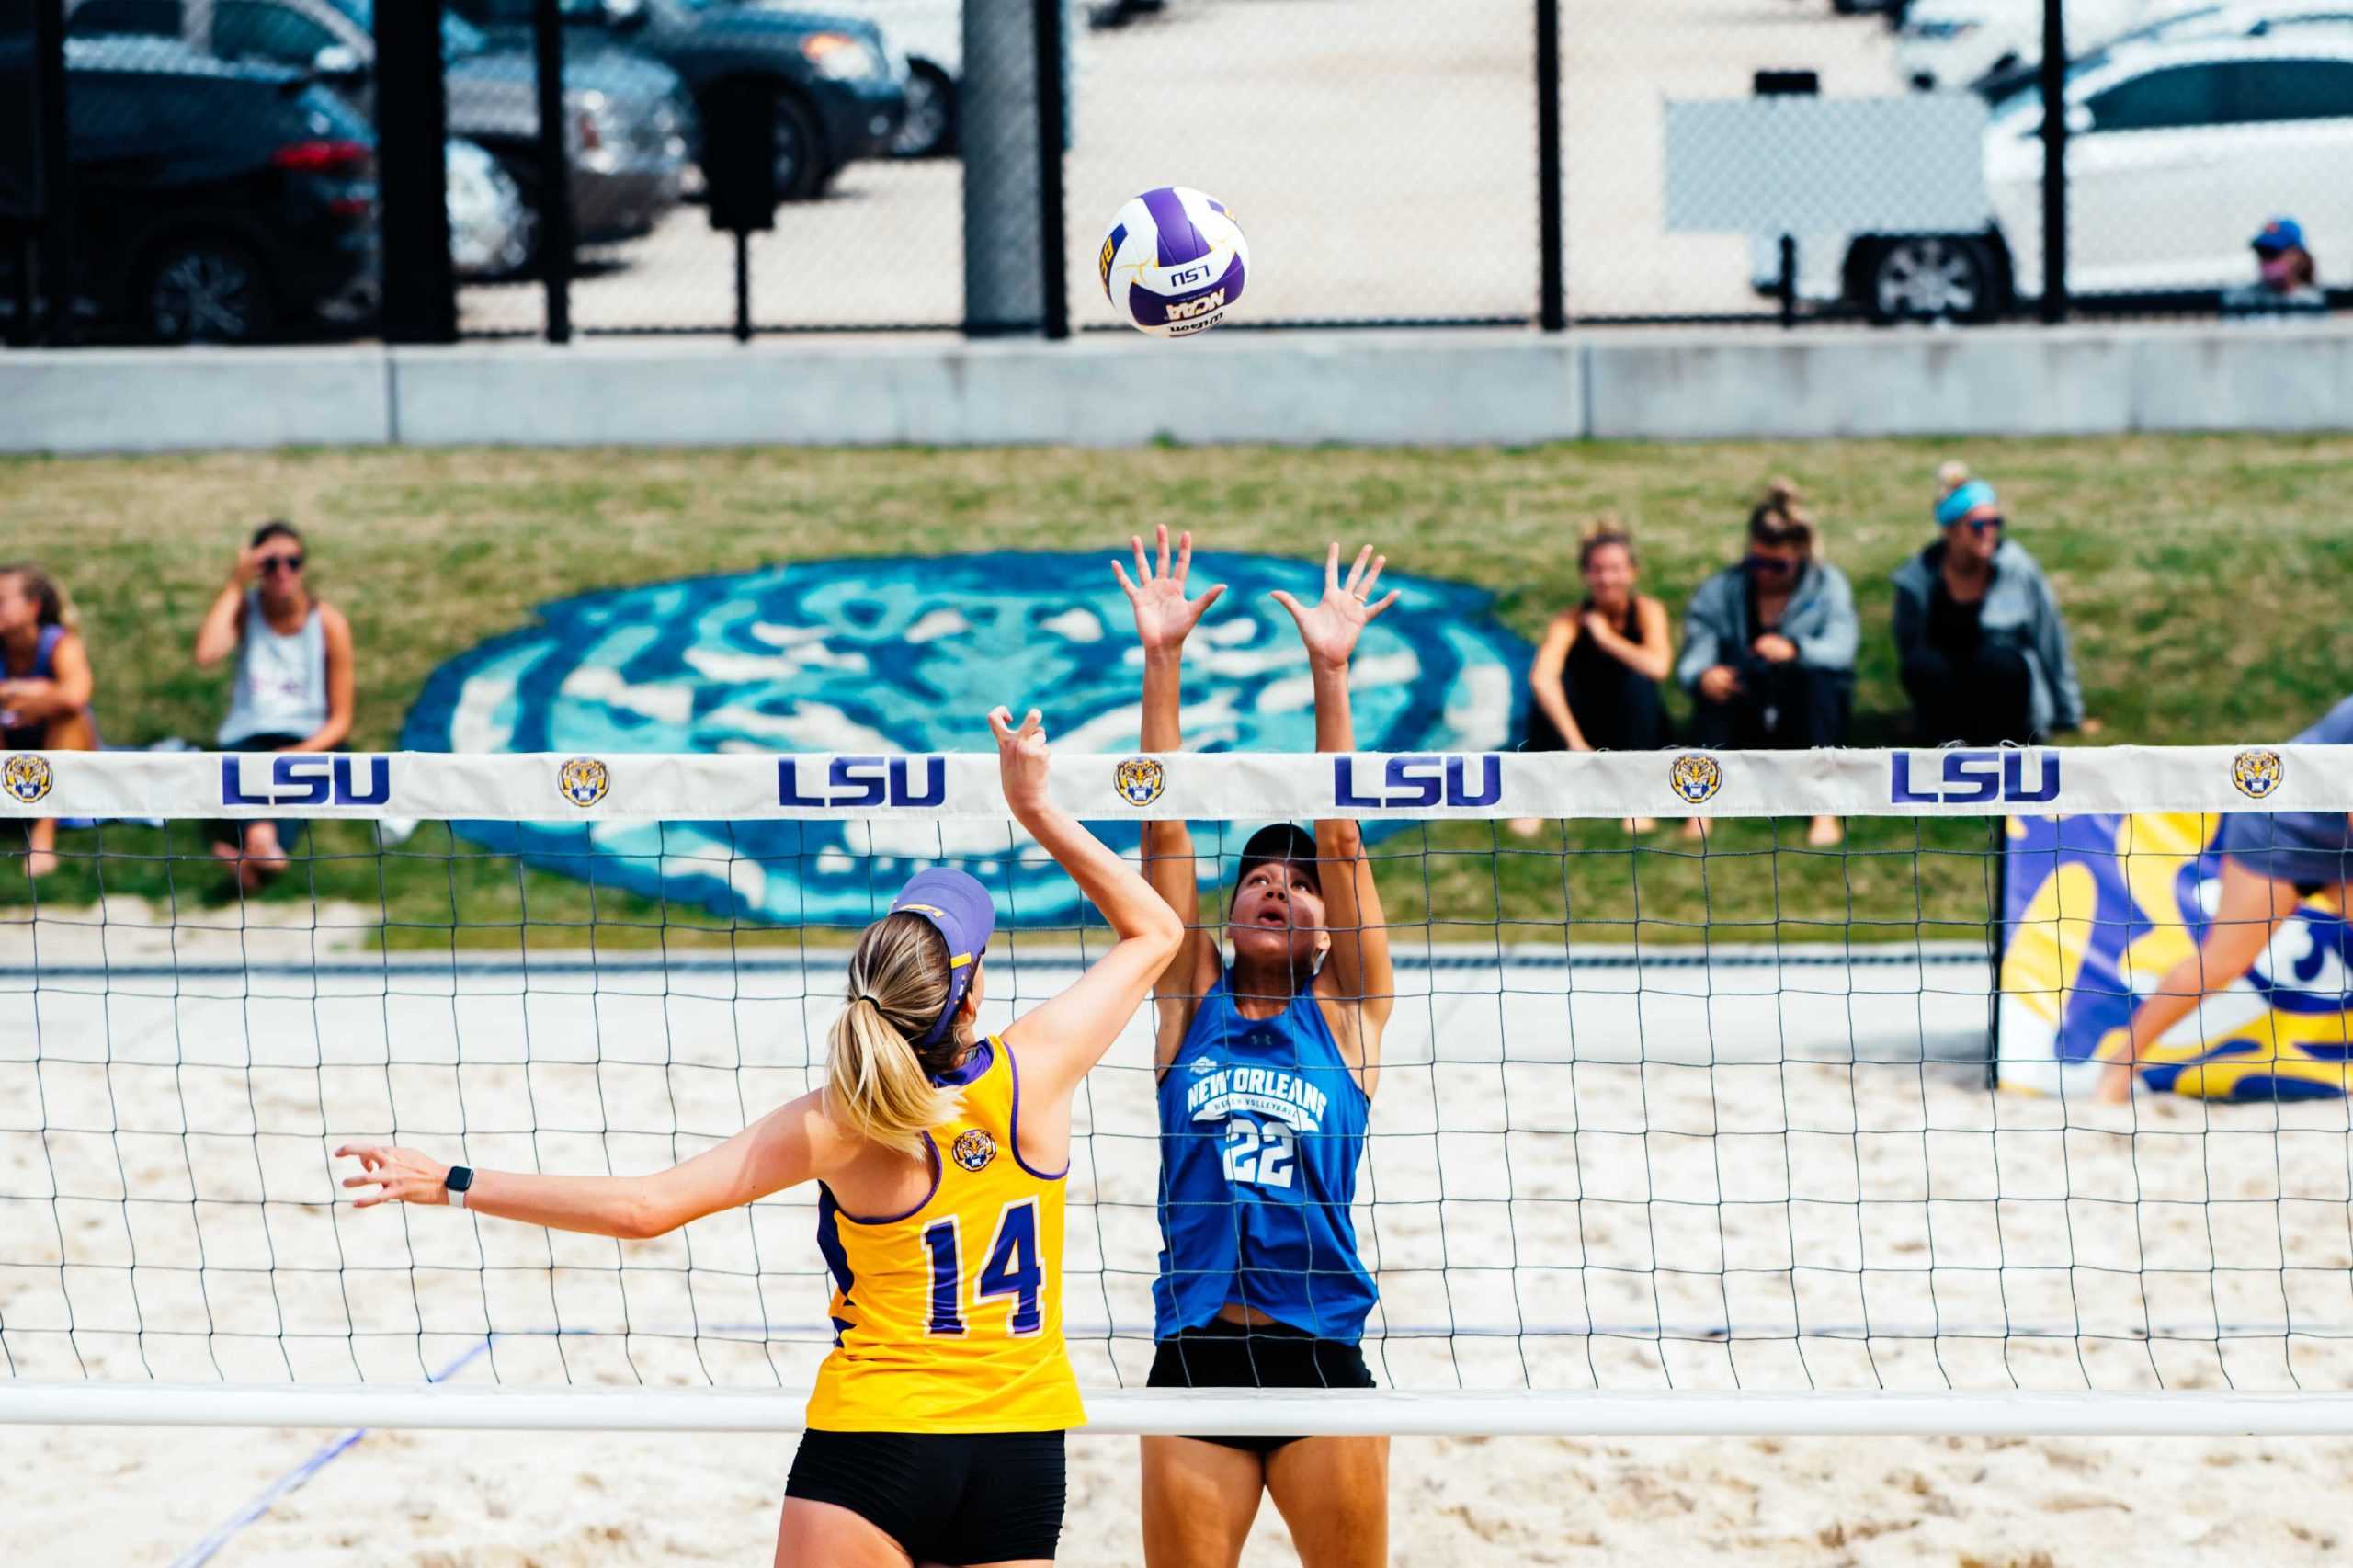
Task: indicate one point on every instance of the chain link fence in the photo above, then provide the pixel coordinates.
(229, 164)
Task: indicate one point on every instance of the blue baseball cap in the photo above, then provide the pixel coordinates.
(1964, 500)
(960, 910)
(2280, 234)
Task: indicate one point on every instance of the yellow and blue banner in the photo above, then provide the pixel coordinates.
(2098, 908)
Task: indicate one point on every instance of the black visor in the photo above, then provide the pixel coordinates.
(1284, 841)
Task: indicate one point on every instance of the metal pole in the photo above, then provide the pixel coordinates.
(1552, 298)
(413, 173)
(555, 169)
(742, 286)
(1053, 243)
(1789, 280)
(997, 113)
(1997, 931)
(2054, 162)
(58, 273)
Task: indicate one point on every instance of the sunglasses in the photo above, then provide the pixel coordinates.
(281, 563)
(1771, 566)
(1980, 524)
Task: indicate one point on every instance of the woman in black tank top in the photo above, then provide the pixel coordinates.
(1594, 681)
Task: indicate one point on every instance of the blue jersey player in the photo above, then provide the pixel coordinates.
(1265, 1069)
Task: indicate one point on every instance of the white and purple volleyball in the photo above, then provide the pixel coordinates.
(1173, 263)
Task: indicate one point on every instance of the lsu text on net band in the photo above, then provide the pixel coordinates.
(1673, 1135)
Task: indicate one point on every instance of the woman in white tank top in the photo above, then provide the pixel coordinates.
(293, 685)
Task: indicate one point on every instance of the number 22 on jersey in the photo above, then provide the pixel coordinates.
(1258, 1153)
(1012, 1271)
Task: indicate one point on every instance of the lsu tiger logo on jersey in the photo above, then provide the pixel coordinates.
(583, 781)
(2257, 773)
(27, 778)
(1140, 780)
(1695, 779)
(973, 1149)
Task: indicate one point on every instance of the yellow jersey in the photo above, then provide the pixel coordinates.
(948, 1317)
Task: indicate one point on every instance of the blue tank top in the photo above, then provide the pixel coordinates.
(1261, 1126)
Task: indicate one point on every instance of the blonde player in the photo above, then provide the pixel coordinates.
(935, 1427)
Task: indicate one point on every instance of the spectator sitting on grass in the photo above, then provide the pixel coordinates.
(293, 689)
(1978, 637)
(1595, 682)
(45, 685)
(2286, 281)
(1769, 646)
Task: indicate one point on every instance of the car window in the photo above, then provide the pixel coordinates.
(2161, 100)
(255, 29)
(2262, 90)
(95, 18)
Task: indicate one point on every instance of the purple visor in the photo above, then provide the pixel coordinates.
(960, 910)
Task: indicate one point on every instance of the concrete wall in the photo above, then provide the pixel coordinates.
(1437, 388)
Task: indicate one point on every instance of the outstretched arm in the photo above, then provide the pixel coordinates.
(792, 1145)
(1060, 1041)
(1358, 976)
(1164, 616)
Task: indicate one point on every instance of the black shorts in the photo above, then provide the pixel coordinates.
(973, 1497)
(1223, 1355)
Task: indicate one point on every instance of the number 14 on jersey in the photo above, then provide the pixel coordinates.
(1013, 1271)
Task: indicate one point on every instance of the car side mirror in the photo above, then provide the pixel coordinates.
(338, 62)
(2079, 120)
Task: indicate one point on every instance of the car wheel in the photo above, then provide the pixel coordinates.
(801, 168)
(1930, 277)
(206, 290)
(929, 129)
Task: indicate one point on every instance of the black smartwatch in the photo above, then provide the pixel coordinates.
(460, 1178)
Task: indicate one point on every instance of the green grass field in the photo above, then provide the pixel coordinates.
(2203, 578)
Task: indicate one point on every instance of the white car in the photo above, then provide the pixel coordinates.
(1945, 45)
(2176, 154)
(490, 225)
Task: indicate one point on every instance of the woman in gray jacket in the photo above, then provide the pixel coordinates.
(1769, 646)
(1983, 649)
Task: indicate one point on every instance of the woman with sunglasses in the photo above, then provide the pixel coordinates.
(1769, 647)
(293, 686)
(1983, 650)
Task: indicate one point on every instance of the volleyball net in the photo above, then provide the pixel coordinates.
(1693, 1133)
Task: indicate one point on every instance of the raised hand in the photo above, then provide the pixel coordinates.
(397, 1175)
(1020, 759)
(1330, 628)
(1164, 615)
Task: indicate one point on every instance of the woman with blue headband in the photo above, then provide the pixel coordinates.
(1982, 647)
(935, 1427)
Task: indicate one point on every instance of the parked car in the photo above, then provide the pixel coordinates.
(1946, 45)
(2176, 152)
(840, 93)
(2182, 23)
(489, 227)
(212, 202)
(627, 146)
(930, 34)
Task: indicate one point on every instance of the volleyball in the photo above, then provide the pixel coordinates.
(1173, 263)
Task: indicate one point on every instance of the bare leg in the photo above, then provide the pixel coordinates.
(263, 857)
(1825, 833)
(1198, 1500)
(824, 1535)
(73, 733)
(1528, 827)
(1334, 1494)
(40, 847)
(2250, 908)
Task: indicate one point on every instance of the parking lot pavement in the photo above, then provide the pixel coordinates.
(1380, 154)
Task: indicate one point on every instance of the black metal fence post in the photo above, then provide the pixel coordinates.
(413, 175)
(2054, 162)
(1997, 932)
(58, 271)
(1053, 243)
(555, 169)
(1552, 298)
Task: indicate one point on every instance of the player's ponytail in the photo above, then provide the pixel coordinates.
(880, 1085)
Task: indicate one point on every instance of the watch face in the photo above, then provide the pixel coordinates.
(459, 1179)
